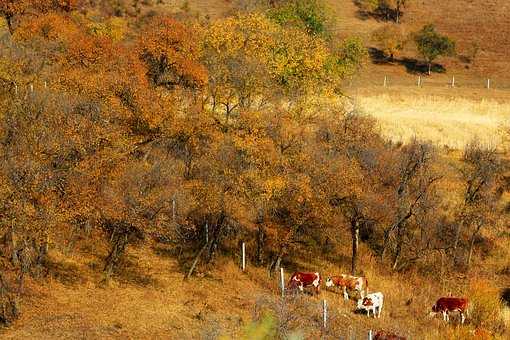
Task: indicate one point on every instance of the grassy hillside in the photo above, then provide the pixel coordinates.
(141, 143)
(149, 299)
(467, 22)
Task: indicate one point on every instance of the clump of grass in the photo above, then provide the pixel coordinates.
(486, 309)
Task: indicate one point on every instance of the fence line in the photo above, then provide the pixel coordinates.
(454, 81)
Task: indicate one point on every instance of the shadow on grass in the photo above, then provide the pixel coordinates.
(65, 273)
(129, 272)
(412, 65)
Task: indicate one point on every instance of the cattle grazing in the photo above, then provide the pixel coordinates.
(349, 283)
(385, 335)
(372, 302)
(445, 305)
(302, 279)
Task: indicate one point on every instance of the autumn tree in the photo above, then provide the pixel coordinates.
(171, 54)
(481, 174)
(412, 187)
(431, 44)
(11, 10)
(351, 144)
(389, 39)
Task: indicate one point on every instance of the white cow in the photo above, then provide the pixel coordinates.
(372, 302)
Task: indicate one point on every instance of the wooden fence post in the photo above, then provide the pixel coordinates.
(370, 335)
(453, 81)
(15, 89)
(282, 281)
(385, 81)
(488, 83)
(419, 81)
(31, 88)
(324, 313)
(243, 247)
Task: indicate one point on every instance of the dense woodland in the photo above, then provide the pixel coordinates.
(124, 126)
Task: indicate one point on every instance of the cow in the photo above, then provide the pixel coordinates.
(303, 279)
(385, 335)
(372, 302)
(445, 305)
(348, 282)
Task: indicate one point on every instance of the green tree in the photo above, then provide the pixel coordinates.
(431, 44)
(306, 14)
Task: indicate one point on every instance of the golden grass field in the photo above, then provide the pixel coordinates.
(443, 121)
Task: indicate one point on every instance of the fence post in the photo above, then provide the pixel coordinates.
(324, 313)
(282, 281)
(488, 83)
(206, 232)
(419, 81)
(385, 81)
(31, 88)
(453, 81)
(370, 335)
(15, 89)
(244, 256)
(45, 84)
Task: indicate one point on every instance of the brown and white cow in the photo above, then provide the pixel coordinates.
(445, 305)
(385, 335)
(305, 279)
(373, 302)
(349, 282)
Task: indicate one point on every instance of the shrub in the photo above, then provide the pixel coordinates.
(486, 309)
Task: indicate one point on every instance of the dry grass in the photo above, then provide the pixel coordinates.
(443, 121)
(223, 301)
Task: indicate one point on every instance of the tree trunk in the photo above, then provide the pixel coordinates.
(10, 26)
(195, 261)
(457, 236)
(396, 258)
(355, 246)
(261, 236)
(116, 253)
(275, 265)
(472, 243)
(430, 68)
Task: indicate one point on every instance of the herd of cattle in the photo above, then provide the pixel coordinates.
(371, 302)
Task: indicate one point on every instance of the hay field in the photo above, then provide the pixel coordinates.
(451, 122)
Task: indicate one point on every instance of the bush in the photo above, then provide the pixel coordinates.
(486, 309)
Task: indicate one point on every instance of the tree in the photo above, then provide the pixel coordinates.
(481, 174)
(397, 6)
(348, 58)
(389, 39)
(306, 14)
(12, 9)
(412, 184)
(171, 53)
(431, 44)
